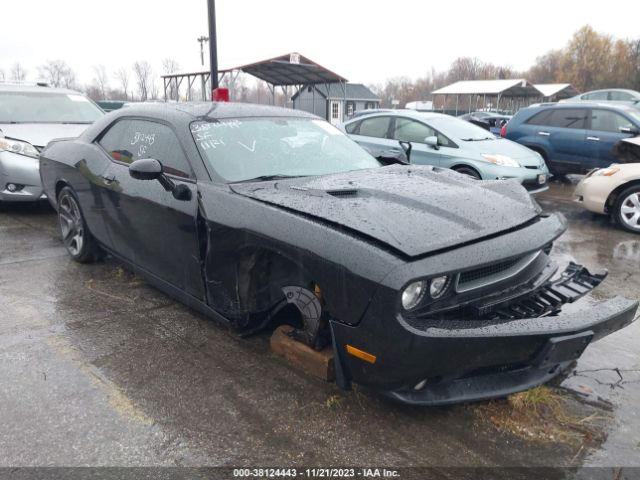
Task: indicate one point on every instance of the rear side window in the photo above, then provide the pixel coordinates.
(608, 121)
(375, 127)
(130, 140)
(561, 118)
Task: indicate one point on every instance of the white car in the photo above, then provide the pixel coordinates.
(30, 117)
(614, 190)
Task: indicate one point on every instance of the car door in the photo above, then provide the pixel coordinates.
(564, 131)
(410, 130)
(604, 132)
(373, 134)
(148, 226)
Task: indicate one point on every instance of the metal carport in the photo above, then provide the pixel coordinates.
(515, 91)
(552, 92)
(289, 70)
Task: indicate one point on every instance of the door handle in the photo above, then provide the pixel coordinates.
(595, 139)
(108, 179)
(544, 134)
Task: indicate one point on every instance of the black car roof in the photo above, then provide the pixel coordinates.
(214, 110)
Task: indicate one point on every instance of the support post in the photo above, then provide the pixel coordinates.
(213, 45)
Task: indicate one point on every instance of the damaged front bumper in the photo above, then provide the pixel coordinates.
(505, 347)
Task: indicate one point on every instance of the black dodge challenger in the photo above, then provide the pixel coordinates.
(429, 286)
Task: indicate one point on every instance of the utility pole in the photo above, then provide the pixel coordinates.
(213, 45)
(202, 39)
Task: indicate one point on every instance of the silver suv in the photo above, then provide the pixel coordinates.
(31, 116)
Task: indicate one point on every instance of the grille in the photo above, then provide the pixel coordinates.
(488, 271)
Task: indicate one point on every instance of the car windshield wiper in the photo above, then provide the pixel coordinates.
(477, 139)
(266, 178)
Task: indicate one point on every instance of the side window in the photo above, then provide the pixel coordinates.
(352, 127)
(620, 96)
(596, 96)
(540, 118)
(608, 121)
(375, 127)
(568, 118)
(113, 142)
(130, 140)
(411, 131)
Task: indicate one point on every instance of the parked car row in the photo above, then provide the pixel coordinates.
(429, 286)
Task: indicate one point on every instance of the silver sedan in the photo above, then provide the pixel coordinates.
(30, 117)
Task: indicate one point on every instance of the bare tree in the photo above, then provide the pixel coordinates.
(57, 74)
(18, 73)
(101, 79)
(2, 77)
(122, 75)
(69, 80)
(142, 71)
(169, 66)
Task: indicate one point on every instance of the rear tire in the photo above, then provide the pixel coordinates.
(469, 171)
(77, 238)
(626, 210)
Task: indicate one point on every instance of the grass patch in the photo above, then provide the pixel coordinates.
(544, 414)
(333, 401)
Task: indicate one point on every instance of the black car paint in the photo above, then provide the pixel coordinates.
(229, 251)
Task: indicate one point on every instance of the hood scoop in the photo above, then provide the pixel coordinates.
(347, 192)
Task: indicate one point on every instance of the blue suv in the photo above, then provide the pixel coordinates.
(574, 138)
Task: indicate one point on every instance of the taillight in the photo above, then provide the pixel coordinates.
(503, 131)
(220, 95)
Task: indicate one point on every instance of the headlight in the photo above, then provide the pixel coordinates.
(501, 160)
(413, 294)
(15, 146)
(438, 286)
(605, 172)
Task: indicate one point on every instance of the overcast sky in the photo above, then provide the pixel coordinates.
(365, 41)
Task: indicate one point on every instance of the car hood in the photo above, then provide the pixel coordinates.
(39, 134)
(410, 209)
(502, 146)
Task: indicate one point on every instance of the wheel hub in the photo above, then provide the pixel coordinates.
(71, 224)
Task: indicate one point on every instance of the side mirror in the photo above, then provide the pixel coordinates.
(432, 142)
(146, 169)
(151, 169)
(630, 130)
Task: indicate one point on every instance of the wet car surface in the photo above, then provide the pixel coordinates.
(98, 368)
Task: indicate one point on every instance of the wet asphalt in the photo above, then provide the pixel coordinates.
(97, 368)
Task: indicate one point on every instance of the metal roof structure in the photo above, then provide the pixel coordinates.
(558, 90)
(354, 91)
(515, 87)
(291, 69)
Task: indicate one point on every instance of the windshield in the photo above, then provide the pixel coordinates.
(259, 148)
(36, 107)
(456, 128)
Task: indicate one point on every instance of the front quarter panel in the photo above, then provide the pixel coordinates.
(254, 250)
